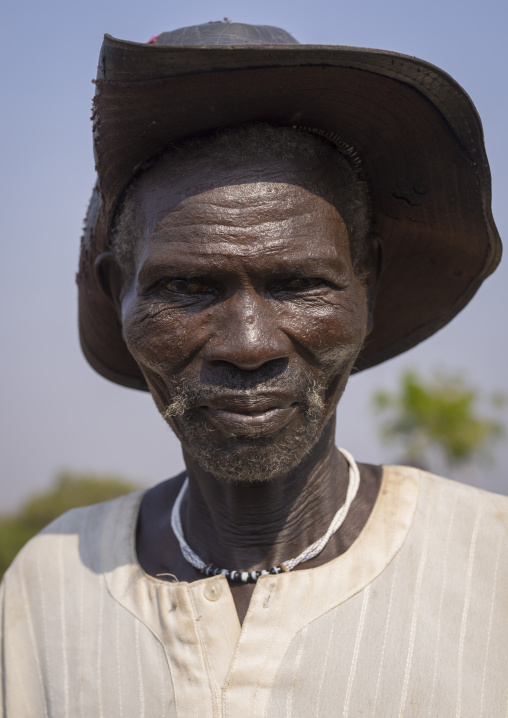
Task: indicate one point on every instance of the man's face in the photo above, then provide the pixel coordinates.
(244, 313)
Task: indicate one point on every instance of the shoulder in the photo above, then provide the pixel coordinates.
(456, 512)
(78, 540)
(444, 490)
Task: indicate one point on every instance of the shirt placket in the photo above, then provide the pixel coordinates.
(218, 631)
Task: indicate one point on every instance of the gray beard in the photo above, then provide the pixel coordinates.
(254, 458)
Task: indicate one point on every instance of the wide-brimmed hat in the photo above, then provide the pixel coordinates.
(416, 131)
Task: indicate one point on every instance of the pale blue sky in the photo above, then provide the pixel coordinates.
(55, 411)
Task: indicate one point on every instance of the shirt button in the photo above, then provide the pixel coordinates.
(213, 591)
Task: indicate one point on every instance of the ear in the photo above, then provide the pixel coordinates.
(371, 269)
(109, 278)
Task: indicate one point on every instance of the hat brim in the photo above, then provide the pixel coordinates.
(416, 131)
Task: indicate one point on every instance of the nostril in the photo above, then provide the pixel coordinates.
(225, 373)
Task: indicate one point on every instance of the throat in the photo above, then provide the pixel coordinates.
(250, 529)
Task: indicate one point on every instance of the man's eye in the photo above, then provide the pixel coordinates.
(302, 283)
(187, 286)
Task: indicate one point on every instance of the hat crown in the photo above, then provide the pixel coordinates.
(416, 130)
(226, 33)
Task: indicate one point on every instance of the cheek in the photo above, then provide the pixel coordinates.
(332, 333)
(159, 338)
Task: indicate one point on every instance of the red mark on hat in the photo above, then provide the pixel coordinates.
(152, 40)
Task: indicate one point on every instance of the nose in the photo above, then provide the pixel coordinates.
(246, 333)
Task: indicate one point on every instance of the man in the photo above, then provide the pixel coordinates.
(268, 218)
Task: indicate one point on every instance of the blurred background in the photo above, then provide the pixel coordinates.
(56, 413)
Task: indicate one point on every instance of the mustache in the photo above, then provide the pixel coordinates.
(189, 394)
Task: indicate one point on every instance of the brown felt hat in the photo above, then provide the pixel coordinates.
(415, 129)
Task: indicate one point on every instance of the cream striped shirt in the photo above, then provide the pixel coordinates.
(411, 621)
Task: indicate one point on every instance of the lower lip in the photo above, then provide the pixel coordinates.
(265, 422)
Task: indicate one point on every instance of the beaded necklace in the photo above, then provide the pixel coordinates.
(252, 576)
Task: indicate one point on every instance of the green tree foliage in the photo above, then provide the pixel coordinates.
(69, 490)
(440, 414)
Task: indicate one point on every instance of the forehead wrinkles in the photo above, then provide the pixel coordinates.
(226, 242)
(261, 206)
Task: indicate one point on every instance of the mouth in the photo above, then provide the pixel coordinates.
(249, 419)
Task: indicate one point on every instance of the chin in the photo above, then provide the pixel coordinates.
(255, 459)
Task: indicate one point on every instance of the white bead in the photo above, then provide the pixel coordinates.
(244, 576)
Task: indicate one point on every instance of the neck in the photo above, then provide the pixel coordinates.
(255, 526)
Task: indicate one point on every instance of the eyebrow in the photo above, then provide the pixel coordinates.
(198, 265)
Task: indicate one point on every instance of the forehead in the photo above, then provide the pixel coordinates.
(272, 223)
(257, 198)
